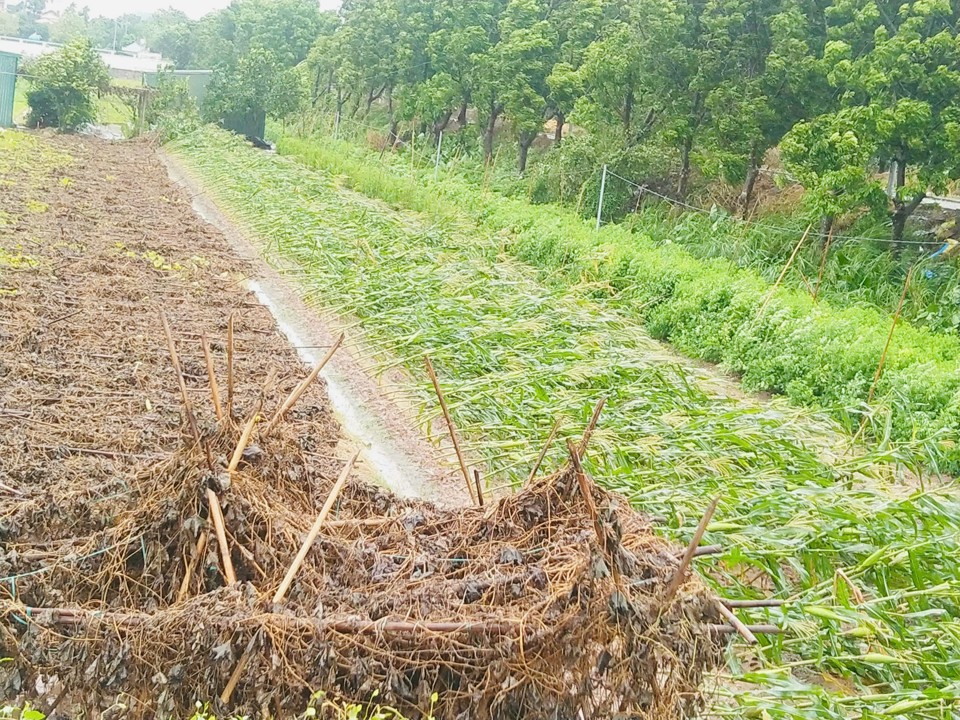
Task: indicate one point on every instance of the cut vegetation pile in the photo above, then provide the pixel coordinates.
(520, 609)
(178, 525)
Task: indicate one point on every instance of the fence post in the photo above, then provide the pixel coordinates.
(603, 187)
(336, 126)
(436, 163)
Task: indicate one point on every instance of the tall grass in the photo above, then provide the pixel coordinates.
(869, 560)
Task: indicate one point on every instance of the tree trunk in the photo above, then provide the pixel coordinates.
(441, 124)
(558, 135)
(684, 167)
(488, 133)
(826, 225)
(746, 193)
(628, 101)
(902, 212)
(462, 115)
(526, 140)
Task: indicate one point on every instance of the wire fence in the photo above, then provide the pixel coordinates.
(646, 190)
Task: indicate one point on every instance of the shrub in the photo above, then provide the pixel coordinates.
(65, 84)
(172, 112)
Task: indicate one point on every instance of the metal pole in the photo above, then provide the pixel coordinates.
(603, 187)
(436, 163)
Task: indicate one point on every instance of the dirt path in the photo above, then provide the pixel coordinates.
(97, 241)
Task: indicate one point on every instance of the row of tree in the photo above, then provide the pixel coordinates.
(844, 87)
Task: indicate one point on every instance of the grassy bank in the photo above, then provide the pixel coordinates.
(780, 341)
(871, 565)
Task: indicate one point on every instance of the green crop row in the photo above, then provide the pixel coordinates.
(869, 561)
(778, 341)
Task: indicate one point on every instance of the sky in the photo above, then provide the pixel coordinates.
(193, 8)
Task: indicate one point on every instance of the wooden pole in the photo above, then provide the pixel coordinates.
(450, 427)
(300, 389)
(216, 514)
(893, 327)
(588, 433)
(729, 616)
(187, 404)
(783, 273)
(230, 366)
(314, 531)
(543, 452)
(681, 573)
(212, 377)
(242, 443)
(188, 573)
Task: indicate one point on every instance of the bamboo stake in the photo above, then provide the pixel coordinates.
(238, 670)
(230, 366)
(823, 264)
(585, 491)
(212, 376)
(175, 359)
(477, 481)
(242, 444)
(543, 452)
(188, 573)
(588, 433)
(708, 550)
(753, 603)
(755, 629)
(300, 389)
(893, 327)
(216, 514)
(681, 573)
(729, 616)
(314, 531)
(783, 273)
(450, 427)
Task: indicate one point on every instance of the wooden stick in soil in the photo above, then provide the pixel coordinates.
(823, 264)
(681, 573)
(730, 617)
(783, 273)
(543, 452)
(315, 530)
(893, 327)
(238, 670)
(302, 387)
(175, 359)
(212, 376)
(216, 514)
(450, 427)
(242, 443)
(588, 433)
(477, 479)
(230, 366)
(192, 566)
(753, 603)
(585, 491)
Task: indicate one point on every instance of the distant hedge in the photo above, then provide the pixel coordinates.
(815, 354)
